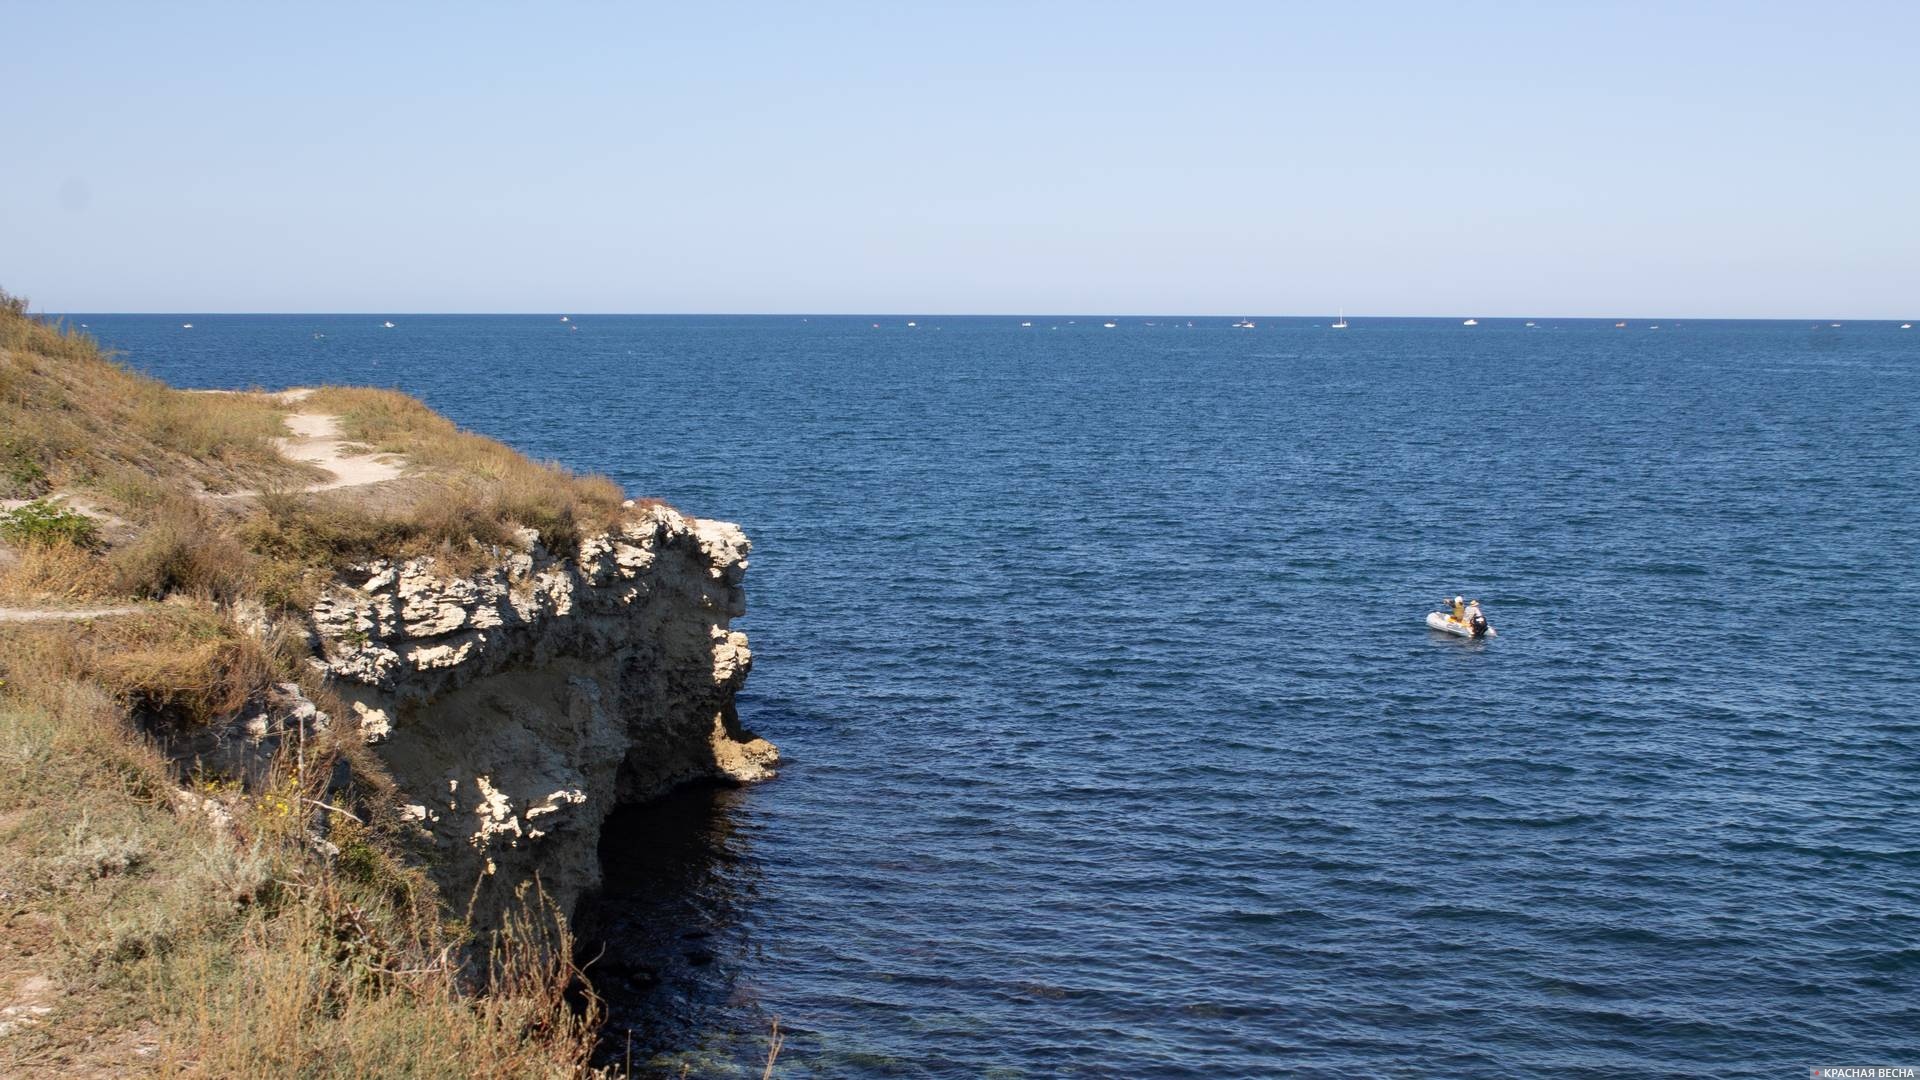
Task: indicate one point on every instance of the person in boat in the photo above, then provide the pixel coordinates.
(1459, 610)
(1476, 620)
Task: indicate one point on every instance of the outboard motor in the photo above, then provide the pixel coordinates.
(1479, 625)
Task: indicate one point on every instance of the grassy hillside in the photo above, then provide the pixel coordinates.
(186, 494)
(153, 921)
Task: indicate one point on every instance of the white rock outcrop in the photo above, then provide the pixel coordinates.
(518, 705)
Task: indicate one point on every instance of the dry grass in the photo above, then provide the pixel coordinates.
(501, 487)
(73, 420)
(243, 950)
(71, 415)
(182, 551)
(58, 573)
(184, 663)
(184, 949)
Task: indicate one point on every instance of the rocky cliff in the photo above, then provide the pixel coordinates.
(516, 706)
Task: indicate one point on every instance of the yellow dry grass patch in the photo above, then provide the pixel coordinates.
(496, 485)
(184, 948)
(72, 420)
(70, 417)
(179, 947)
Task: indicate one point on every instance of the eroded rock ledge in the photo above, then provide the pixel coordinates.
(519, 705)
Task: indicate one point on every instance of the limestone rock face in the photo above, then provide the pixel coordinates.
(519, 705)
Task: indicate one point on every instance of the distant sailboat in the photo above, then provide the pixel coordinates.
(1342, 323)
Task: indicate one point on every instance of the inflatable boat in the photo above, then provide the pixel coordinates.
(1447, 624)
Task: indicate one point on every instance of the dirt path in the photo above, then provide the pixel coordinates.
(32, 614)
(316, 440)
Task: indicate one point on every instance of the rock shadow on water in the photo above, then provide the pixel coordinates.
(663, 938)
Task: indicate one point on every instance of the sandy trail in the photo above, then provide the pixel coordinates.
(316, 440)
(11, 614)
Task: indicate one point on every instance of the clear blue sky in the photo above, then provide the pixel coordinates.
(1393, 158)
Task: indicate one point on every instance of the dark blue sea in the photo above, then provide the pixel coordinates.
(1116, 744)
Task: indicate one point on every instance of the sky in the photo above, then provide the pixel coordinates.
(1674, 159)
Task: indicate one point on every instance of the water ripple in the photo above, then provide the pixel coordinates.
(1116, 747)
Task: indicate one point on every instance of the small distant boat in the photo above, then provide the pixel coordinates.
(1447, 624)
(1108, 325)
(1471, 322)
(563, 318)
(1903, 326)
(1655, 326)
(1026, 324)
(1836, 326)
(1244, 324)
(575, 329)
(186, 326)
(388, 324)
(1340, 323)
(1533, 324)
(1619, 326)
(912, 325)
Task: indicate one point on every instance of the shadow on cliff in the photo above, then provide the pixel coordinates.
(664, 931)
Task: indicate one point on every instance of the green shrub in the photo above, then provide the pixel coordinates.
(20, 470)
(43, 523)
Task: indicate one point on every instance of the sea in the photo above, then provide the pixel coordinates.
(1116, 744)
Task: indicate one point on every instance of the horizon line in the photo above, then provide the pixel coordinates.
(981, 315)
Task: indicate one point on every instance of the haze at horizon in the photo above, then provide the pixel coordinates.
(1723, 161)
